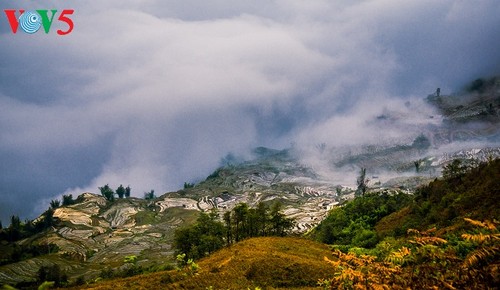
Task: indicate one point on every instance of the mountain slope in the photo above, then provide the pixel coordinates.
(264, 262)
(95, 234)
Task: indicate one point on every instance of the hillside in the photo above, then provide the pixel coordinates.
(263, 262)
(445, 202)
(460, 253)
(93, 237)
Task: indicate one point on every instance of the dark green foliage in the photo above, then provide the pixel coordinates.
(353, 224)
(240, 212)
(127, 191)
(209, 234)
(17, 230)
(107, 273)
(482, 85)
(421, 142)
(202, 238)
(15, 222)
(48, 218)
(150, 195)
(107, 192)
(68, 200)
(465, 191)
(455, 169)
(52, 273)
(279, 224)
(23, 252)
(80, 280)
(55, 203)
(362, 182)
(120, 191)
(188, 185)
(214, 174)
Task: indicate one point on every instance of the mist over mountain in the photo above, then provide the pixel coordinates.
(152, 95)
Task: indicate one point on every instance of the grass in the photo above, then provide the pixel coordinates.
(267, 262)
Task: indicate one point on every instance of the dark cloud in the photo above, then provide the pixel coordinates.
(154, 94)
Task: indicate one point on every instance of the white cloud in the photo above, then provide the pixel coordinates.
(159, 91)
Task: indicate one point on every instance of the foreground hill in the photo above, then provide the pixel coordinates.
(257, 262)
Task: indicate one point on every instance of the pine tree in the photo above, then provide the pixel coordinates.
(150, 195)
(67, 200)
(120, 191)
(362, 182)
(107, 192)
(55, 203)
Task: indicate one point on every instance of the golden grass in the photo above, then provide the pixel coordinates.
(266, 262)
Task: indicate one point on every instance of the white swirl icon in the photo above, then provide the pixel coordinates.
(30, 22)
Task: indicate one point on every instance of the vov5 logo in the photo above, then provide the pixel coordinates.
(31, 21)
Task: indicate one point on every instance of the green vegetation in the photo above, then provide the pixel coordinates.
(149, 195)
(53, 274)
(19, 230)
(442, 237)
(127, 191)
(68, 200)
(433, 242)
(107, 192)
(55, 203)
(188, 185)
(354, 223)
(120, 191)
(208, 234)
(264, 262)
(362, 182)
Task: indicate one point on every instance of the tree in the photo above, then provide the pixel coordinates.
(52, 273)
(48, 219)
(127, 192)
(262, 213)
(201, 239)
(150, 195)
(417, 164)
(107, 192)
(279, 223)
(120, 191)
(362, 182)
(55, 203)
(228, 227)
(188, 185)
(67, 200)
(454, 169)
(240, 215)
(15, 222)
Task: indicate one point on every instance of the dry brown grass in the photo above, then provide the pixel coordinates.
(267, 262)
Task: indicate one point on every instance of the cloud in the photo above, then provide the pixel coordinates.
(154, 94)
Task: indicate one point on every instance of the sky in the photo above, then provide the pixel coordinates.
(154, 93)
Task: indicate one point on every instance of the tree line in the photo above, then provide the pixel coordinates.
(210, 234)
(109, 193)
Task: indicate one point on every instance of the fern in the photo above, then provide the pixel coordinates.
(486, 224)
(488, 245)
(480, 255)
